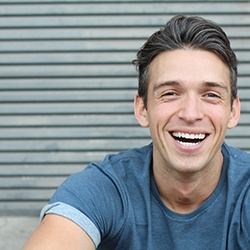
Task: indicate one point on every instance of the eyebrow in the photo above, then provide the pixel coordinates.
(163, 84)
(215, 84)
(204, 84)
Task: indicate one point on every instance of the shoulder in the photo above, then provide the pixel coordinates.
(100, 191)
(125, 166)
(237, 167)
(237, 172)
(236, 156)
(236, 153)
(135, 155)
(113, 166)
(238, 175)
(110, 176)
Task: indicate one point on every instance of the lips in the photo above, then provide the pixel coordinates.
(187, 139)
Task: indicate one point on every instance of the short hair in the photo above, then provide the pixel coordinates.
(182, 32)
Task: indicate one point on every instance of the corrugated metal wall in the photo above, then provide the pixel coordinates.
(67, 85)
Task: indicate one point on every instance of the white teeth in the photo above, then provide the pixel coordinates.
(189, 136)
(188, 144)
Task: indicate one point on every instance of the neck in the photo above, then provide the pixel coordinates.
(185, 192)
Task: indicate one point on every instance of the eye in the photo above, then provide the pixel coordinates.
(169, 94)
(212, 95)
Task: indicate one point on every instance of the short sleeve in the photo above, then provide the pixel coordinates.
(74, 215)
(92, 198)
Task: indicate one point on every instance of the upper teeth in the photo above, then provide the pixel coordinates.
(189, 136)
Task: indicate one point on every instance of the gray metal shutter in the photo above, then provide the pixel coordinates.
(67, 85)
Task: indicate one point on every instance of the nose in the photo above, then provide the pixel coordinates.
(191, 109)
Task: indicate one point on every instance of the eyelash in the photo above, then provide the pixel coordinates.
(212, 95)
(170, 93)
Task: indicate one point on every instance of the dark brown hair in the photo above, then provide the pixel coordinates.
(186, 32)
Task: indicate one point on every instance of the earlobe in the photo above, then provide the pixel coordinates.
(140, 111)
(235, 114)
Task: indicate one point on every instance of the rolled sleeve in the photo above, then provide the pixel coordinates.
(74, 215)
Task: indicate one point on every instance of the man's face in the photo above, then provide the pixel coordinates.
(188, 110)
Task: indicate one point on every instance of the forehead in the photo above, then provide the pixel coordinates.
(188, 66)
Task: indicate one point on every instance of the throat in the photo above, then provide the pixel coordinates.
(183, 195)
(184, 203)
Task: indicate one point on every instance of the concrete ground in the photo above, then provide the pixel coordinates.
(15, 230)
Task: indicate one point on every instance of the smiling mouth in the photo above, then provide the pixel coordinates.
(188, 140)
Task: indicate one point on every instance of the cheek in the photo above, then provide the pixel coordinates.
(158, 115)
(220, 119)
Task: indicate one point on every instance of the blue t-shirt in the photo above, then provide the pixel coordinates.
(117, 203)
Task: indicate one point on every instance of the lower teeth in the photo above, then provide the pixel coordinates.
(188, 144)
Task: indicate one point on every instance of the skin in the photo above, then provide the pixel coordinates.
(189, 92)
(58, 233)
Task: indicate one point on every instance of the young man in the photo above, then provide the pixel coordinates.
(186, 190)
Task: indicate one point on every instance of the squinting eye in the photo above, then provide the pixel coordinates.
(212, 95)
(169, 93)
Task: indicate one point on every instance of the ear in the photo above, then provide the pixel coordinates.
(140, 111)
(235, 114)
